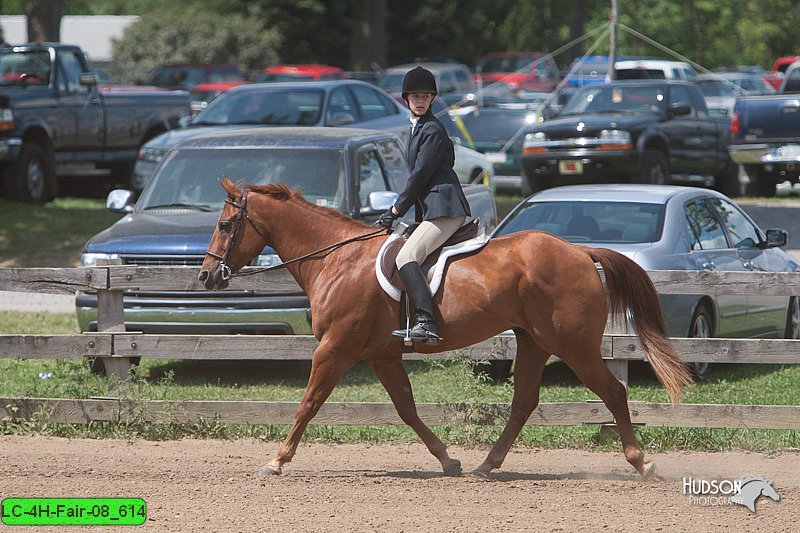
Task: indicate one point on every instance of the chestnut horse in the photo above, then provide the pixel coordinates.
(544, 288)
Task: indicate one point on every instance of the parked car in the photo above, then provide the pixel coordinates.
(55, 120)
(675, 228)
(791, 79)
(356, 171)
(649, 131)
(453, 80)
(300, 73)
(653, 69)
(778, 70)
(766, 138)
(534, 71)
(587, 70)
(187, 75)
(721, 89)
(313, 103)
(498, 131)
(202, 93)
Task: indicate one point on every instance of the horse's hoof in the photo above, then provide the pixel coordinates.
(269, 471)
(483, 474)
(452, 468)
(649, 471)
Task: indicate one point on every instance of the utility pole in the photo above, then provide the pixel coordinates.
(612, 47)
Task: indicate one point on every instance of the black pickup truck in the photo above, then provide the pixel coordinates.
(56, 119)
(654, 131)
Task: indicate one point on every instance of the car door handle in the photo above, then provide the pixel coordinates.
(709, 265)
(748, 265)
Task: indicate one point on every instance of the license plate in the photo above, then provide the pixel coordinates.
(570, 166)
(496, 157)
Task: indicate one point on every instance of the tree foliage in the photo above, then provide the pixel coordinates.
(204, 37)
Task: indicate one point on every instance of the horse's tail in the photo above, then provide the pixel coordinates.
(630, 288)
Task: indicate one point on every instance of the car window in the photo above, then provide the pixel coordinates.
(396, 164)
(743, 233)
(25, 68)
(72, 72)
(370, 102)
(370, 175)
(680, 95)
(341, 106)
(296, 107)
(463, 80)
(705, 231)
(446, 83)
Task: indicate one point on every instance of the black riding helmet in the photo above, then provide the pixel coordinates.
(419, 80)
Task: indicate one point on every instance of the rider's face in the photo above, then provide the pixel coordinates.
(419, 103)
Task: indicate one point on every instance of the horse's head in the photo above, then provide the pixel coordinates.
(234, 242)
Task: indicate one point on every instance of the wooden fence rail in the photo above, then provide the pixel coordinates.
(116, 347)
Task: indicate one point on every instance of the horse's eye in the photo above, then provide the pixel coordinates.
(225, 225)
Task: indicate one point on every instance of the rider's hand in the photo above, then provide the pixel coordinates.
(386, 220)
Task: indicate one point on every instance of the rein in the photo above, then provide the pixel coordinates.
(237, 224)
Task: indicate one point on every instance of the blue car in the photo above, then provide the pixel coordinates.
(350, 103)
(675, 228)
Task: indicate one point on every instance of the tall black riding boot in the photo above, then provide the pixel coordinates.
(426, 329)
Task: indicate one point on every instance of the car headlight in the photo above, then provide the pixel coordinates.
(615, 140)
(535, 142)
(154, 155)
(91, 259)
(267, 260)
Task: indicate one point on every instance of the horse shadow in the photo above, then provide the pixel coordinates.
(508, 476)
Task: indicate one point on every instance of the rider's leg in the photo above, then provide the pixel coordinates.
(429, 236)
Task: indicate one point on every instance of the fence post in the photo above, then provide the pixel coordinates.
(111, 319)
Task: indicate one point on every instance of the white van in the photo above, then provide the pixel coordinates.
(653, 69)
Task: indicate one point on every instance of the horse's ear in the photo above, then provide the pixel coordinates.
(229, 186)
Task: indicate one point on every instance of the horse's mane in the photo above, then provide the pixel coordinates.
(281, 191)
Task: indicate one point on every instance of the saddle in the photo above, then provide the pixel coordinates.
(468, 238)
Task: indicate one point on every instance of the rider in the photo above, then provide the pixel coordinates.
(435, 190)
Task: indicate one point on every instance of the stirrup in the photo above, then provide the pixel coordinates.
(417, 333)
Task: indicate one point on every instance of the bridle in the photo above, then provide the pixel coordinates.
(242, 215)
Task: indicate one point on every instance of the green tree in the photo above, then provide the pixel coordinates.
(169, 35)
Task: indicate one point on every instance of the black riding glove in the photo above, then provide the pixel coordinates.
(386, 220)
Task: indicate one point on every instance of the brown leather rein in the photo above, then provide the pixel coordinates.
(242, 215)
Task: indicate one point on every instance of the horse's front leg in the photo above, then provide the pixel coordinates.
(327, 368)
(394, 378)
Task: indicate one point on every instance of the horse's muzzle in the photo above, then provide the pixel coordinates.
(213, 280)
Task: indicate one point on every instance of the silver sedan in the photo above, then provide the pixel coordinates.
(675, 228)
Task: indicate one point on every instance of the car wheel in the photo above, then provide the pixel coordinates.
(32, 178)
(728, 182)
(654, 168)
(762, 183)
(701, 328)
(538, 183)
(793, 319)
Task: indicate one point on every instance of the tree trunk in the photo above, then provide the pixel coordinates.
(368, 39)
(44, 20)
(577, 27)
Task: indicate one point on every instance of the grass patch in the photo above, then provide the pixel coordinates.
(50, 235)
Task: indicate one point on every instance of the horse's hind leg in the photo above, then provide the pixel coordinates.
(394, 378)
(530, 361)
(596, 375)
(326, 371)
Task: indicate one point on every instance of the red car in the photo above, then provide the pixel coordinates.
(203, 93)
(532, 71)
(300, 73)
(779, 70)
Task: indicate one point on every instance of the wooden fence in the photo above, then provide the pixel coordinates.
(116, 347)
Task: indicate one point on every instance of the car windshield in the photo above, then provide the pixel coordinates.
(497, 124)
(274, 77)
(715, 87)
(188, 176)
(596, 221)
(392, 82)
(279, 107)
(25, 68)
(592, 69)
(177, 77)
(617, 99)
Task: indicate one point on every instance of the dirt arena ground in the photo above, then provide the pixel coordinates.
(193, 485)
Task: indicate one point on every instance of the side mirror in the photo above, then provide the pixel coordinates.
(680, 109)
(777, 238)
(120, 201)
(88, 79)
(379, 201)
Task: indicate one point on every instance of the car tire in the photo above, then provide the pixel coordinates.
(762, 183)
(654, 168)
(728, 181)
(793, 319)
(32, 177)
(701, 327)
(538, 183)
